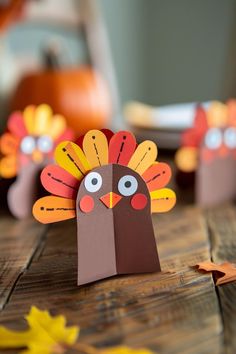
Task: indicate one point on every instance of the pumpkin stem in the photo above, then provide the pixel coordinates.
(51, 57)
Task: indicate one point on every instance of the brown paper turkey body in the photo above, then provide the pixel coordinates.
(111, 189)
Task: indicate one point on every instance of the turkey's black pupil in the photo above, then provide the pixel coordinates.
(127, 184)
(94, 181)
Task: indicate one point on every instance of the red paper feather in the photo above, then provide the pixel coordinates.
(122, 147)
(59, 182)
(16, 125)
(157, 176)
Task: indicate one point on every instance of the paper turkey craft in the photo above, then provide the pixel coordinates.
(209, 150)
(111, 189)
(26, 148)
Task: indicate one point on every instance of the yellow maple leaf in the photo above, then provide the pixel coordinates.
(49, 335)
(46, 334)
(124, 350)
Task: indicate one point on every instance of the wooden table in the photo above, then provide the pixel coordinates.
(176, 311)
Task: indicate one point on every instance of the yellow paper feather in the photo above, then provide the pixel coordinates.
(43, 118)
(162, 200)
(29, 119)
(143, 157)
(69, 156)
(95, 147)
(57, 127)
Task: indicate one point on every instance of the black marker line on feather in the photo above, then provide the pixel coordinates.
(96, 150)
(61, 182)
(72, 160)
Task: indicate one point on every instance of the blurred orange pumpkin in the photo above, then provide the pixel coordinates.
(80, 95)
(9, 12)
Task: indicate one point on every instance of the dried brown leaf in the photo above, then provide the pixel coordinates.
(225, 272)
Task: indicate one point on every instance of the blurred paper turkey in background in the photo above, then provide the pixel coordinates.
(208, 149)
(26, 146)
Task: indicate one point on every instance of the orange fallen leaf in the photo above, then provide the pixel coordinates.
(226, 271)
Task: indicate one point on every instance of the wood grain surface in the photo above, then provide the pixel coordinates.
(18, 244)
(175, 311)
(222, 228)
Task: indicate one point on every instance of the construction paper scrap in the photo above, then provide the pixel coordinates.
(95, 147)
(59, 182)
(51, 209)
(122, 147)
(69, 156)
(45, 334)
(157, 176)
(225, 272)
(143, 157)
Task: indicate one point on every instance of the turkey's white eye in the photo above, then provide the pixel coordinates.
(213, 138)
(45, 144)
(230, 137)
(93, 182)
(127, 185)
(28, 145)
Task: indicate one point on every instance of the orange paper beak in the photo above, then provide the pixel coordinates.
(37, 156)
(110, 199)
(223, 151)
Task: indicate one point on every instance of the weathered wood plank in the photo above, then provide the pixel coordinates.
(222, 226)
(18, 243)
(175, 311)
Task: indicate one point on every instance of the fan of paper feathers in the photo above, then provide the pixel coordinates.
(213, 135)
(31, 136)
(98, 148)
